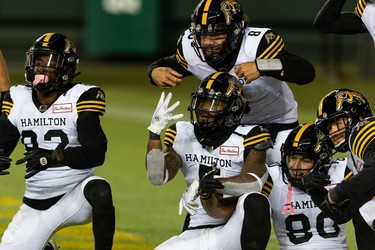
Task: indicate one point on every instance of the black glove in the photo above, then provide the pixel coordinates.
(339, 213)
(208, 185)
(4, 163)
(37, 160)
(314, 181)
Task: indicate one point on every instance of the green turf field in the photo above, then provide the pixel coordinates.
(146, 215)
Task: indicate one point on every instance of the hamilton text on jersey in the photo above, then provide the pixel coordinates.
(48, 121)
(303, 204)
(209, 160)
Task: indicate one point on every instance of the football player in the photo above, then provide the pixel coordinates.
(219, 39)
(331, 18)
(345, 124)
(58, 123)
(297, 221)
(223, 166)
(4, 78)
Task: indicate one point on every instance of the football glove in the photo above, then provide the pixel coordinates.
(188, 199)
(4, 163)
(37, 160)
(315, 180)
(163, 115)
(208, 185)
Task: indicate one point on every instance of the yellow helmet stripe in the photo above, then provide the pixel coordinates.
(299, 134)
(205, 12)
(46, 39)
(212, 79)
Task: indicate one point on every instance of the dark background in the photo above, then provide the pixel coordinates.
(144, 30)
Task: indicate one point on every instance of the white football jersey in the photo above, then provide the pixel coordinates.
(50, 128)
(196, 161)
(366, 11)
(271, 100)
(302, 225)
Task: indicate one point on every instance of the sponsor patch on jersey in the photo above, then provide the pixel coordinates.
(229, 150)
(62, 108)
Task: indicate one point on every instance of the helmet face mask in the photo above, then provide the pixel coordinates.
(338, 112)
(208, 109)
(299, 165)
(51, 63)
(213, 19)
(219, 101)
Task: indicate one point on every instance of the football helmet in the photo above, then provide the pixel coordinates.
(214, 17)
(218, 101)
(302, 140)
(51, 245)
(341, 103)
(60, 57)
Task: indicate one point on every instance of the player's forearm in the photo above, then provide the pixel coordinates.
(331, 19)
(219, 207)
(93, 142)
(161, 167)
(328, 14)
(4, 76)
(170, 62)
(359, 188)
(295, 69)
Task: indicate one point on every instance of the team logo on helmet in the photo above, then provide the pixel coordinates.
(347, 96)
(229, 8)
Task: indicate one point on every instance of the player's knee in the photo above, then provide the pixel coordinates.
(254, 203)
(98, 194)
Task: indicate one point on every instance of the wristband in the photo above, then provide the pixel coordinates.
(153, 136)
(269, 64)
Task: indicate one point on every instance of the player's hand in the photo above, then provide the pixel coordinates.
(38, 160)
(315, 180)
(208, 185)
(166, 77)
(163, 115)
(248, 71)
(188, 199)
(4, 163)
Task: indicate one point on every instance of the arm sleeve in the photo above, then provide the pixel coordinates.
(91, 136)
(359, 188)
(330, 19)
(295, 69)
(9, 135)
(176, 61)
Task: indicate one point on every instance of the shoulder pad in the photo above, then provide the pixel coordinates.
(270, 45)
(170, 135)
(6, 102)
(180, 53)
(92, 100)
(362, 136)
(258, 138)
